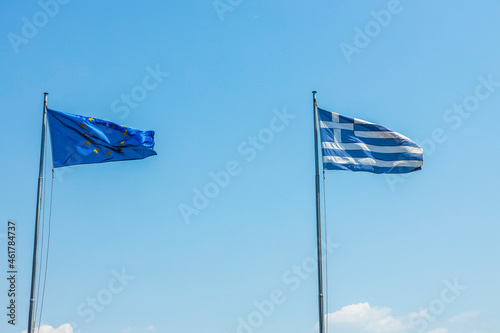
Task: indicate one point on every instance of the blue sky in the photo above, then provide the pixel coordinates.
(407, 254)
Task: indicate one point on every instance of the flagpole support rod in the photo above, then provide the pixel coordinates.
(318, 220)
(37, 217)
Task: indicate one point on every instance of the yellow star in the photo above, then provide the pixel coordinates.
(125, 133)
(96, 150)
(90, 119)
(87, 143)
(121, 125)
(120, 150)
(82, 134)
(122, 143)
(82, 125)
(108, 152)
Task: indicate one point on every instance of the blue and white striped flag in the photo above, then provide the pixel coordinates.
(357, 145)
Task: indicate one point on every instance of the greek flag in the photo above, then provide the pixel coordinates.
(357, 145)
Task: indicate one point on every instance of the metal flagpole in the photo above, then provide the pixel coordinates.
(37, 218)
(318, 221)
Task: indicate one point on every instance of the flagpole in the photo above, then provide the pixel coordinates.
(37, 218)
(318, 222)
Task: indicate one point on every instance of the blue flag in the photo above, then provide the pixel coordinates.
(83, 140)
(357, 145)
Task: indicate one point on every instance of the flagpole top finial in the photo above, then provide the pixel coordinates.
(45, 93)
(314, 91)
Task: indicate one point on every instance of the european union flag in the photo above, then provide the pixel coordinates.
(83, 140)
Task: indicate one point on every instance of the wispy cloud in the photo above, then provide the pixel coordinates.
(439, 330)
(463, 317)
(64, 328)
(366, 318)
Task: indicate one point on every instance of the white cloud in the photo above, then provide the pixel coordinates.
(150, 328)
(463, 317)
(366, 318)
(439, 330)
(64, 328)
